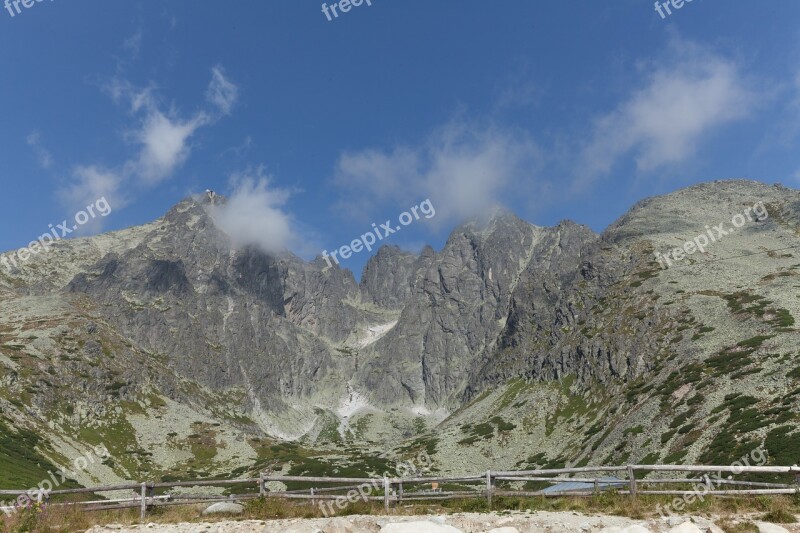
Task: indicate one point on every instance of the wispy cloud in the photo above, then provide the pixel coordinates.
(161, 138)
(164, 145)
(43, 156)
(221, 93)
(133, 44)
(90, 183)
(691, 93)
(239, 149)
(464, 168)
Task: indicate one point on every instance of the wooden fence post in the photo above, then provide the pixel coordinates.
(632, 481)
(386, 488)
(261, 488)
(144, 502)
(400, 491)
(489, 488)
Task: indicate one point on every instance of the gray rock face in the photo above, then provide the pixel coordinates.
(324, 302)
(287, 338)
(455, 313)
(225, 318)
(389, 276)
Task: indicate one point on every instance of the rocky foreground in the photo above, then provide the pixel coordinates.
(512, 522)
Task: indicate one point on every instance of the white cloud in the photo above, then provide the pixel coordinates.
(664, 121)
(239, 149)
(162, 140)
(463, 168)
(123, 92)
(221, 93)
(90, 184)
(133, 44)
(796, 100)
(164, 144)
(43, 156)
(253, 214)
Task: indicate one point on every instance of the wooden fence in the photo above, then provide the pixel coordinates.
(342, 491)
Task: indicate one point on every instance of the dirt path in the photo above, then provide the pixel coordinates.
(512, 522)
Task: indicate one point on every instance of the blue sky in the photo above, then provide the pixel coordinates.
(319, 128)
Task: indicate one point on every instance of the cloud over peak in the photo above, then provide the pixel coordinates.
(254, 214)
(161, 137)
(689, 94)
(463, 167)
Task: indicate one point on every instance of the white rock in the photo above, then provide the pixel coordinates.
(340, 525)
(766, 527)
(224, 508)
(630, 529)
(419, 527)
(686, 527)
(706, 525)
(503, 530)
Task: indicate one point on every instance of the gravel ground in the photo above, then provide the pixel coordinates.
(463, 522)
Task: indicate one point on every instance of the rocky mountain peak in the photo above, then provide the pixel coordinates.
(275, 345)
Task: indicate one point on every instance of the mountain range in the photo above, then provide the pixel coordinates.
(514, 345)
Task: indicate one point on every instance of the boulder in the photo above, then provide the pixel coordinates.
(224, 508)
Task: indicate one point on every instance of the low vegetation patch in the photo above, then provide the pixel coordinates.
(777, 509)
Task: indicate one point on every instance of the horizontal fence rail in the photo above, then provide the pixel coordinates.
(142, 495)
